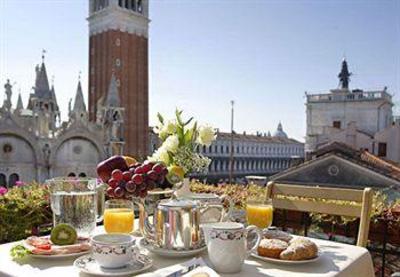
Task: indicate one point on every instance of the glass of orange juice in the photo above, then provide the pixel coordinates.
(259, 211)
(118, 216)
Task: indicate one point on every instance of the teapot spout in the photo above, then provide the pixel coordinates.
(145, 227)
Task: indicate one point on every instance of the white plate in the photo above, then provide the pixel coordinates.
(279, 261)
(170, 253)
(55, 256)
(59, 256)
(88, 265)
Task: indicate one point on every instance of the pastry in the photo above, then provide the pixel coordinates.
(299, 249)
(271, 248)
(276, 234)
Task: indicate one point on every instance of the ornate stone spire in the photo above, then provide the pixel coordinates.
(42, 88)
(344, 76)
(20, 105)
(112, 99)
(79, 109)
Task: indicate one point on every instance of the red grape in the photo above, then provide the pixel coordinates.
(161, 179)
(130, 187)
(152, 175)
(138, 179)
(113, 183)
(117, 174)
(126, 176)
(110, 192)
(147, 167)
(140, 170)
(118, 192)
(165, 171)
(137, 164)
(158, 168)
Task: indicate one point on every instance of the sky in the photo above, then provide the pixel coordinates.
(263, 55)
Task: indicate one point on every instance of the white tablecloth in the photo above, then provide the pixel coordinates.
(337, 260)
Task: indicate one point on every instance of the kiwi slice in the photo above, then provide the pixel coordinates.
(63, 234)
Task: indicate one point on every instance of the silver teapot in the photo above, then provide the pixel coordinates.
(176, 224)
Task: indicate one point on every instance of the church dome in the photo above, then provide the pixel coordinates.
(279, 132)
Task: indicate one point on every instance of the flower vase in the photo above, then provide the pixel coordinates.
(184, 188)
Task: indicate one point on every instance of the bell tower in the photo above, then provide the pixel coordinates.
(118, 44)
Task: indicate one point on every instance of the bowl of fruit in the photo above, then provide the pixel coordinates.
(127, 178)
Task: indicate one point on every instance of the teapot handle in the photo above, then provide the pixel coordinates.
(253, 228)
(215, 206)
(228, 215)
(145, 227)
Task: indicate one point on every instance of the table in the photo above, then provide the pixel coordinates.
(338, 259)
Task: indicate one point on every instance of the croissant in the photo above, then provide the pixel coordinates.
(300, 249)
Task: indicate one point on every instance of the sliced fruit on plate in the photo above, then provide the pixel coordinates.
(63, 234)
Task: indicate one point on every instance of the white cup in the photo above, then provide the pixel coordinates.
(227, 245)
(113, 250)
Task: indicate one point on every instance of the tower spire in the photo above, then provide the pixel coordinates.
(20, 105)
(344, 76)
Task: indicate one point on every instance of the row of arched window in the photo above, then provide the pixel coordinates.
(249, 165)
(221, 149)
(10, 182)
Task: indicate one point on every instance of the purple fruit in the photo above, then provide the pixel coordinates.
(138, 179)
(119, 192)
(130, 187)
(152, 175)
(105, 167)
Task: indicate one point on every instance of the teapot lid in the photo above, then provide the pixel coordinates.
(178, 203)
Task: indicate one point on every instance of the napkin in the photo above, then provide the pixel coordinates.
(203, 268)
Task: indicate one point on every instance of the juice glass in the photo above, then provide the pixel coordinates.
(259, 212)
(118, 216)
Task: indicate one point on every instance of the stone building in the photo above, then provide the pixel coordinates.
(36, 145)
(253, 154)
(361, 119)
(118, 45)
(339, 165)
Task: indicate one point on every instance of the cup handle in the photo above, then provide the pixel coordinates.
(253, 228)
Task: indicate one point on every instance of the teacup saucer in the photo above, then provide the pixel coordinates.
(88, 265)
(168, 252)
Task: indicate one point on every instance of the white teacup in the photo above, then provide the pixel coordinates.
(227, 244)
(113, 250)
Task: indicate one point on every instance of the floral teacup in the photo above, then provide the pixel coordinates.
(227, 244)
(113, 250)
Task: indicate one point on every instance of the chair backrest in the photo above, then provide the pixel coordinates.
(303, 198)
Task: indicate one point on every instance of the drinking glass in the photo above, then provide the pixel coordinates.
(74, 201)
(118, 216)
(259, 211)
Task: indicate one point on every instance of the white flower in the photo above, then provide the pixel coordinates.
(206, 135)
(171, 144)
(163, 155)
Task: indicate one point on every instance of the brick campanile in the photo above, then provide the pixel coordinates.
(118, 43)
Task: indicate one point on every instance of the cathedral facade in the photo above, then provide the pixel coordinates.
(36, 145)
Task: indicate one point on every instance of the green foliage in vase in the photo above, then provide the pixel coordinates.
(22, 210)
